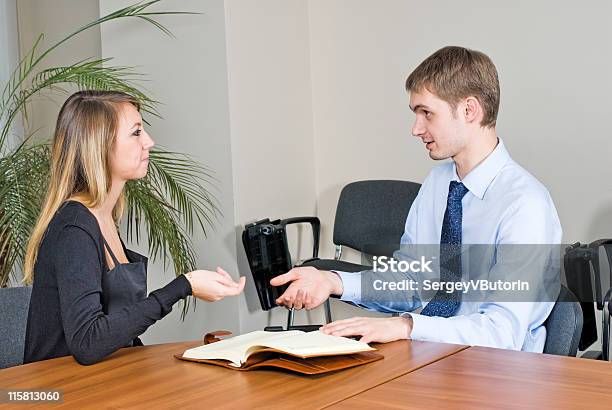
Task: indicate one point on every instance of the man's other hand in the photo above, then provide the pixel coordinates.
(381, 330)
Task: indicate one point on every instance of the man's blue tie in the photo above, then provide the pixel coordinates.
(445, 304)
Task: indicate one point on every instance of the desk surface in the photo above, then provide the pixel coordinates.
(492, 378)
(150, 377)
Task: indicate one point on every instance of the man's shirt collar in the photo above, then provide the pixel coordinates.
(479, 179)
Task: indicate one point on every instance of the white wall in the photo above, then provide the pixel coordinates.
(189, 75)
(289, 100)
(36, 17)
(554, 63)
(9, 57)
(271, 128)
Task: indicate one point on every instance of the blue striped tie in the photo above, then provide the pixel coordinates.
(445, 304)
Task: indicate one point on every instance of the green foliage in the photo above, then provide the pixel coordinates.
(170, 201)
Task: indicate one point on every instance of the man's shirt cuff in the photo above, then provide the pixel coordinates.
(351, 284)
(425, 328)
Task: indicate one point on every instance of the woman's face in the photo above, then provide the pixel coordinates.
(129, 157)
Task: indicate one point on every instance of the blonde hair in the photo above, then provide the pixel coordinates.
(453, 73)
(84, 135)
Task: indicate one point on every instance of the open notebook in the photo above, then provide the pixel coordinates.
(309, 353)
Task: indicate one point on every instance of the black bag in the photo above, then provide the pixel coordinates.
(589, 284)
(578, 262)
(265, 243)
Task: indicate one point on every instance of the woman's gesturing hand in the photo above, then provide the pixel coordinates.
(212, 286)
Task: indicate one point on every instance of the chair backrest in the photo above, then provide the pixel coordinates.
(371, 215)
(14, 304)
(564, 325)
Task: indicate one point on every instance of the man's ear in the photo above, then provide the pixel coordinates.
(472, 110)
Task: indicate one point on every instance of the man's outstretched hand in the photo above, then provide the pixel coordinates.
(309, 287)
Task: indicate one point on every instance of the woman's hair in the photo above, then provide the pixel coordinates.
(84, 135)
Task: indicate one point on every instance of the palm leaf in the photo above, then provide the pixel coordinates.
(23, 176)
(11, 91)
(166, 201)
(18, 75)
(86, 75)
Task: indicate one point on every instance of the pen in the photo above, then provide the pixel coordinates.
(290, 318)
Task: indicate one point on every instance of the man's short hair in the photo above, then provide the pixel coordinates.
(453, 73)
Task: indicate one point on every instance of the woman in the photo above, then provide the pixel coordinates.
(89, 291)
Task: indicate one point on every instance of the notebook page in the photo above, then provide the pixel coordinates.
(235, 349)
(317, 343)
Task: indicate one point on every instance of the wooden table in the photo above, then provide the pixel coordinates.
(482, 378)
(150, 377)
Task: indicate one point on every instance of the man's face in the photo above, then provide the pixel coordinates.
(437, 125)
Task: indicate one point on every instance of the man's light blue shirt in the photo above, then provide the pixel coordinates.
(505, 205)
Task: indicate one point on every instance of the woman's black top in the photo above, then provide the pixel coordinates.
(66, 315)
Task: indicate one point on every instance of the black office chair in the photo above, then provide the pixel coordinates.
(564, 325)
(14, 305)
(370, 218)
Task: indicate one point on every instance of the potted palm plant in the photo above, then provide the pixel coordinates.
(168, 203)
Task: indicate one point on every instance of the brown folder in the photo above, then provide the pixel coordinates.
(271, 358)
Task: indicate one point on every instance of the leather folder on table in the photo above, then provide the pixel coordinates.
(296, 351)
(283, 361)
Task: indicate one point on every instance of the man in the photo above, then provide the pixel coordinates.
(481, 197)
